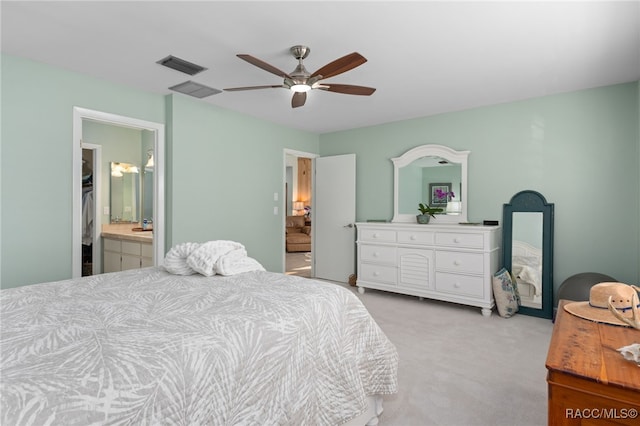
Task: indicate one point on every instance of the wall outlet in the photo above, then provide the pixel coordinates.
(275, 196)
(275, 210)
(105, 210)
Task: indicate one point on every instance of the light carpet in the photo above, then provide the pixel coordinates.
(298, 263)
(459, 368)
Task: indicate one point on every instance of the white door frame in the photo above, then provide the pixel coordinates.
(97, 204)
(283, 204)
(80, 114)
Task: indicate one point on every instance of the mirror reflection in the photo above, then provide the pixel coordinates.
(124, 193)
(526, 257)
(435, 175)
(432, 180)
(527, 248)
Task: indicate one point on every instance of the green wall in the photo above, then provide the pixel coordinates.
(580, 150)
(225, 169)
(222, 169)
(37, 121)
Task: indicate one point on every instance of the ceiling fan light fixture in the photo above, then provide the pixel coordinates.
(300, 88)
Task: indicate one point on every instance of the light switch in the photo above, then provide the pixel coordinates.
(275, 196)
(275, 210)
(105, 210)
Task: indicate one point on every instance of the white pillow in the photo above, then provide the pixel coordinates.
(175, 261)
(203, 259)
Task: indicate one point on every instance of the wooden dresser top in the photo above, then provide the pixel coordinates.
(587, 350)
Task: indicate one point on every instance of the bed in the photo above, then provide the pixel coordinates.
(149, 347)
(526, 266)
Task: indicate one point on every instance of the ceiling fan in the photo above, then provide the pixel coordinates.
(300, 81)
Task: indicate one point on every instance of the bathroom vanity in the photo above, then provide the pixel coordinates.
(125, 249)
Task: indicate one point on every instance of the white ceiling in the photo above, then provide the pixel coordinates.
(424, 58)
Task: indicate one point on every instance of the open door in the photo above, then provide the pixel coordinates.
(334, 217)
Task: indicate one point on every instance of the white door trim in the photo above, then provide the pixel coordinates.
(80, 114)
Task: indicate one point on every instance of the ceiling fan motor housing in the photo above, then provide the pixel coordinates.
(300, 52)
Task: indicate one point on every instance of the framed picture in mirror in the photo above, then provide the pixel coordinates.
(440, 194)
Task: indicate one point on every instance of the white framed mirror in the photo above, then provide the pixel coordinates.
(430, 174)
(124, 194)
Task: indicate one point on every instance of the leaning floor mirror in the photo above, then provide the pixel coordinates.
(527, 247)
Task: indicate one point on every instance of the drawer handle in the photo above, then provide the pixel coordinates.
(456, 284)
(457, 240)
(375, 235)
(376, 273)
(457, 262)
(376, 254)
(413, 237)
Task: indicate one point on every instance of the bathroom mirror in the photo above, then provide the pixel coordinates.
(431, 174)
(527, 248)
(124, 195)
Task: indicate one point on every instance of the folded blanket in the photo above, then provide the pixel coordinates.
(235, 263)
(175, 261)
(210, 258)
(203, 259)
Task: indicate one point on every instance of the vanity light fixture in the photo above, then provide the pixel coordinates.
(117, 169)
(150, 163)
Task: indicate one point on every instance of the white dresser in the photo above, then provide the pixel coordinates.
(452, 262)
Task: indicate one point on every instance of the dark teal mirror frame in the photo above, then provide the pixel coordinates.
(532, 201)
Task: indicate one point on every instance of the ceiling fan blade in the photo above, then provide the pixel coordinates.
(265, 66)
(237, 89)
(341, 65)
(348, 89)
(298, 99)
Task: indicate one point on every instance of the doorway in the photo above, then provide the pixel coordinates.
(298, 213)
(156, 131)
(91, 205)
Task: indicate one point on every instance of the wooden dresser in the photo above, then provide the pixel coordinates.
(589, 382)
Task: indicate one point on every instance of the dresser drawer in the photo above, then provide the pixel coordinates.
(452, 239)
(380, 235)
(460, 284)
(378, 273)
(416, 237)
(383, 254)
(460, 261)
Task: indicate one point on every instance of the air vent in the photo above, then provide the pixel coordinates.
(181, 65)
(194, 89)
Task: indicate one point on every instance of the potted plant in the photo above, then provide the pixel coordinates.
(426, 213)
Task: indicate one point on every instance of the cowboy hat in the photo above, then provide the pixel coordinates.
(610, 303)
